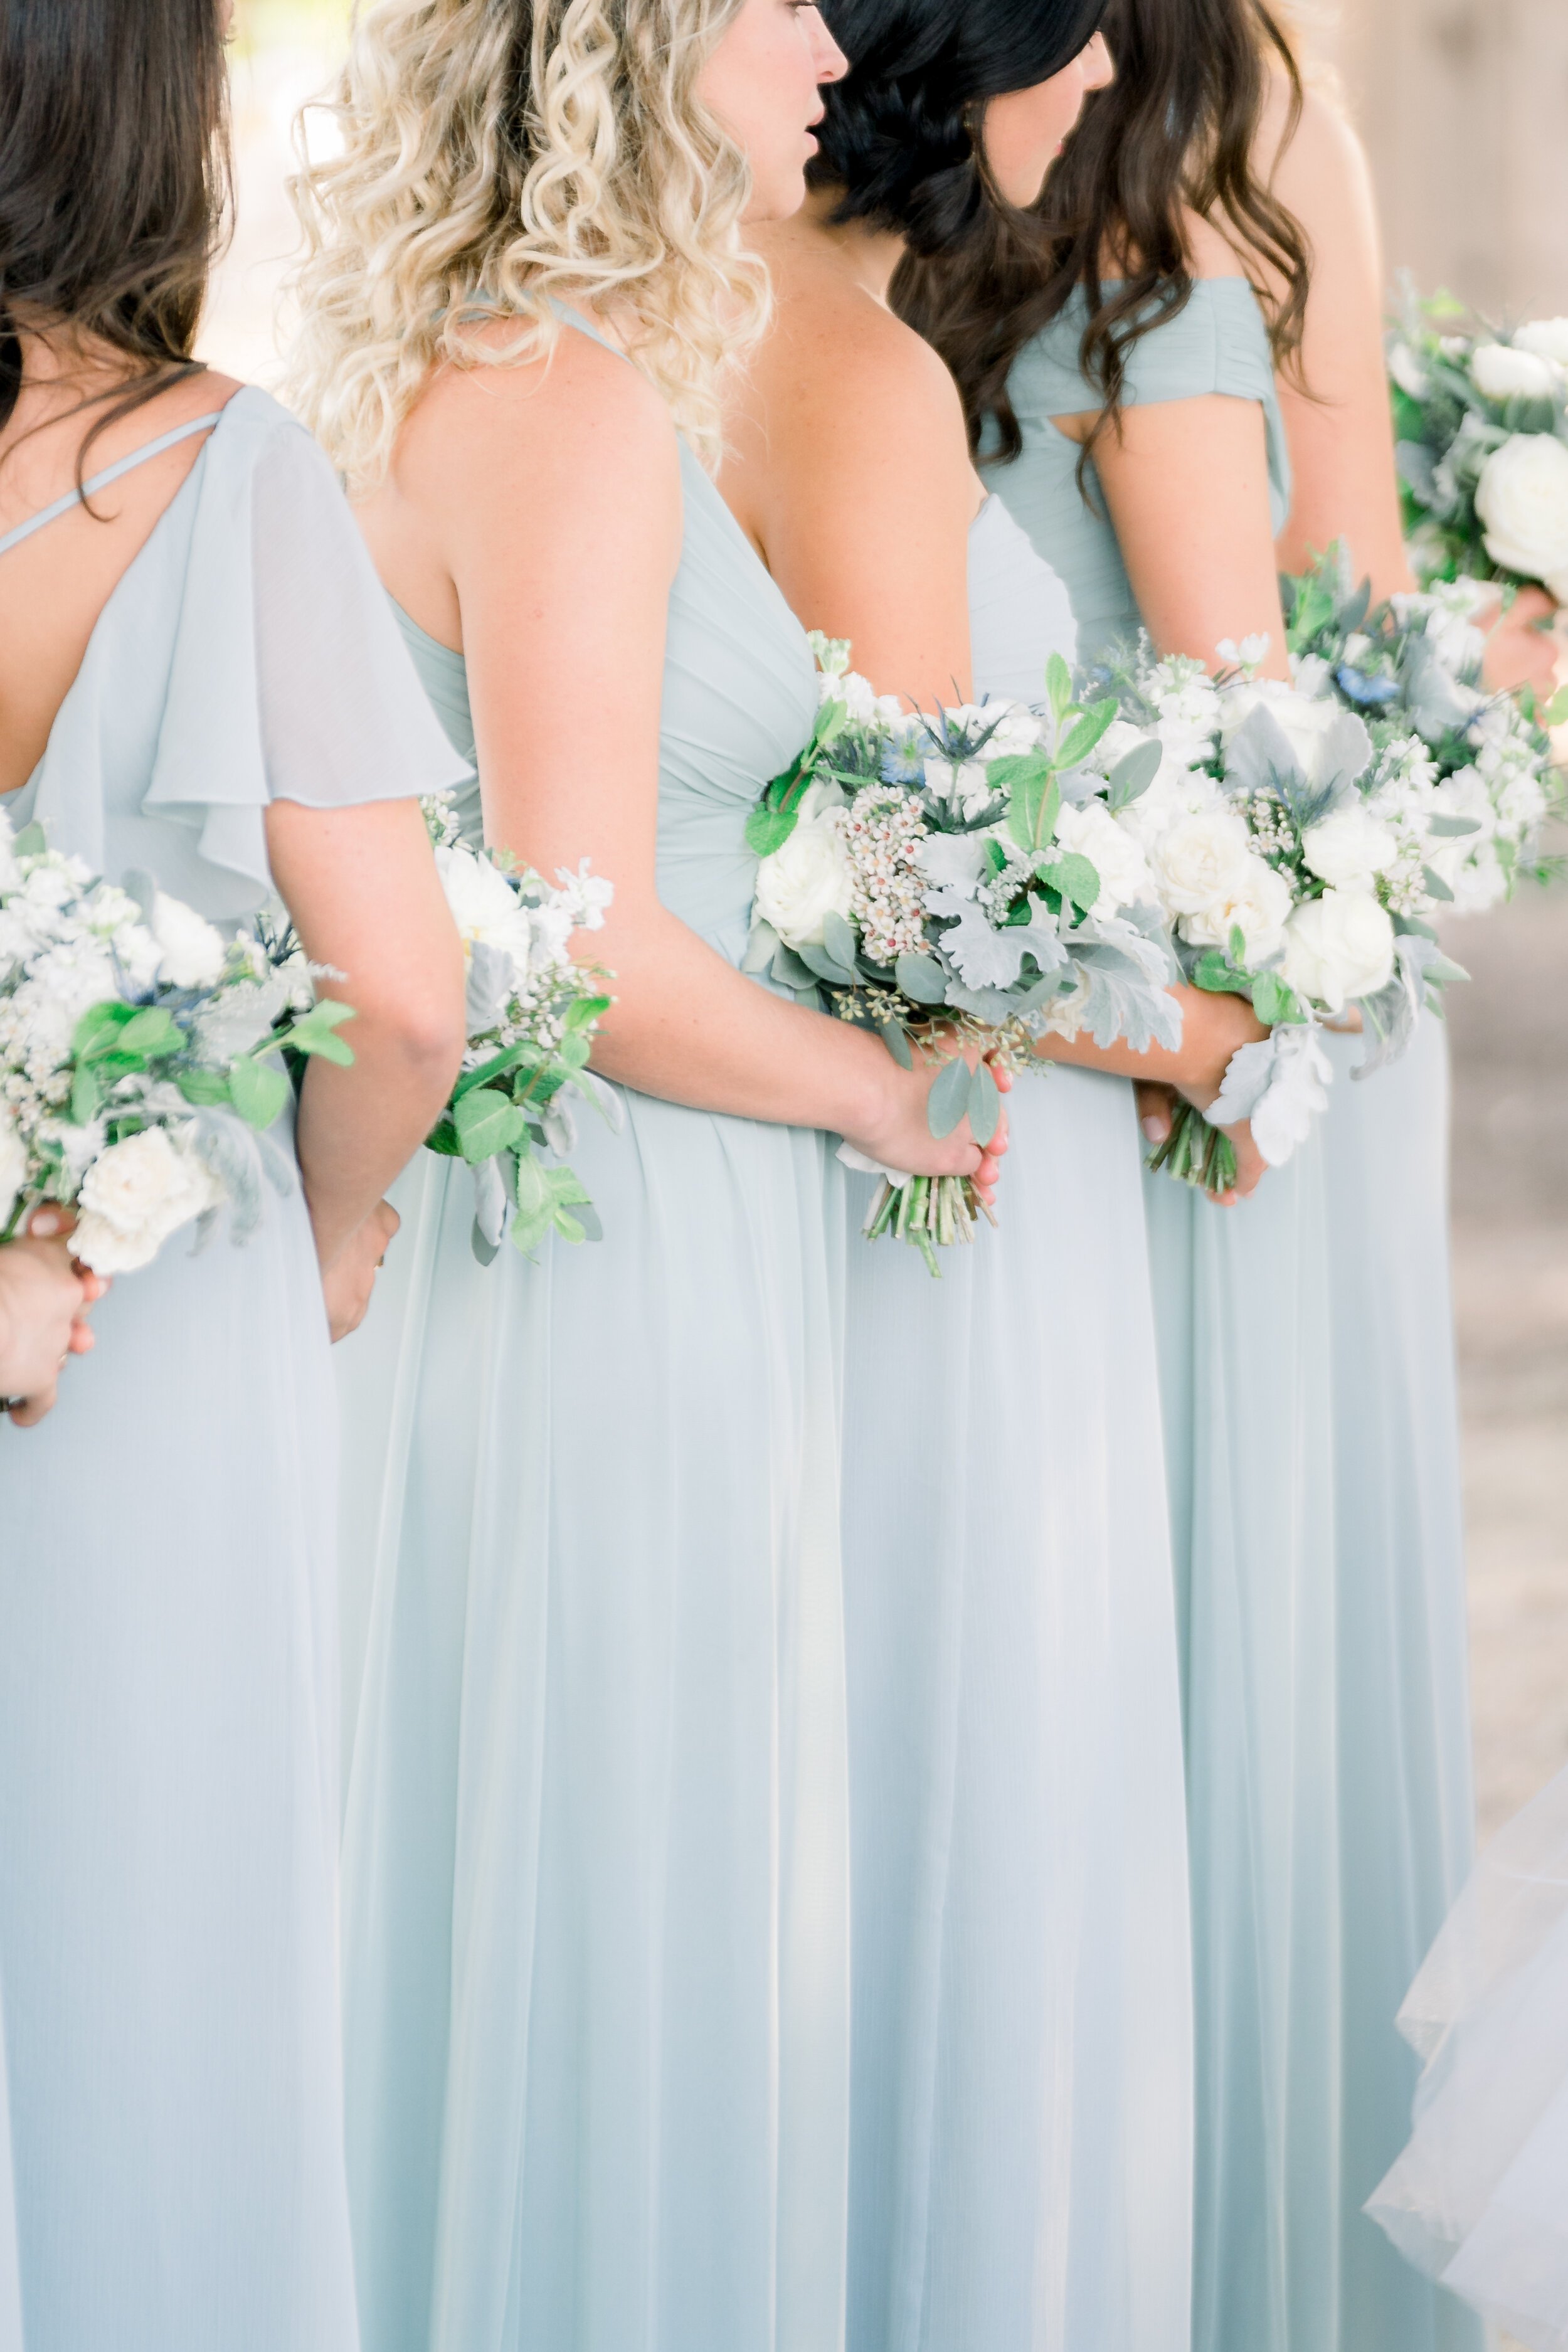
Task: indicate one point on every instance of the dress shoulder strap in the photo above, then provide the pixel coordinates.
(74, 498)
(575, 319)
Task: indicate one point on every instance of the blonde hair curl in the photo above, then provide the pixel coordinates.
(496, 152)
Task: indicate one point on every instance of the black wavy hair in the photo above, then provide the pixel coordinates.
(899, 139)
(1177, 131)
(113, 183)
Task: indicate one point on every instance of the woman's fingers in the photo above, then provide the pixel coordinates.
(1156, 1108)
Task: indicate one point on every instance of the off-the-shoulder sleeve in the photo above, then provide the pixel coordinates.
(1217, 342)
(288, 678)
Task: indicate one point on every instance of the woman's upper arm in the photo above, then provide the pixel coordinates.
(866, 521)
(561, 495)
(1336, 414)
(1186, 483)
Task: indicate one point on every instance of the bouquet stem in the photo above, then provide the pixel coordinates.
(1194, 1152)
(929, 1213)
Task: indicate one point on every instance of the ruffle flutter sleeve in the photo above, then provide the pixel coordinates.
(288, 678)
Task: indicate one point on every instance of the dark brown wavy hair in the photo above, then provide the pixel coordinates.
(113, 184)
(1175, 132)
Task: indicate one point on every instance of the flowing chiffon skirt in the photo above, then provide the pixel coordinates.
(596, 1870)
(168, 1817)
(1308, 1378)
(1022, 2126)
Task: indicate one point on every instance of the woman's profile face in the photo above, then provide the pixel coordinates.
(1025, 130)
(763, 83)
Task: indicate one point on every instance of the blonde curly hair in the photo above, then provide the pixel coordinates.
(496, 152)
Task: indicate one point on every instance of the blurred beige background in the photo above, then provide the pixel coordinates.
(1464, 106)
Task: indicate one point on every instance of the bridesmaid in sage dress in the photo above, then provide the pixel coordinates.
(1021, 2108)
(1306, 1351)
(199, 680)
(597, 1930)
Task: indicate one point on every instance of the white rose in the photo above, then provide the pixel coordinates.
(1337, 946)
(483, 904)
(1349, 848)
(192, 952)
(13, 1166)
(1200, 862)
(1176, 793)
(134, 1196)
(1505, 372)
(809, 880)
(1523, 499)
(1257, 902)
(1124, 877)
(1547, 338)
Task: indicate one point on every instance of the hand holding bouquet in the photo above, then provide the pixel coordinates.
(1482, 428)
(956, 883)
(138, 1046)
(531, 1015)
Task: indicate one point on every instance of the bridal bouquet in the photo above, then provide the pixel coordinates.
(958, 883)
(531, 1014)
(1482, 428)
(137, 1056)
(1303, 836)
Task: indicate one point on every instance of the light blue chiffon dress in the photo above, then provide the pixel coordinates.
(1021, 2136)
(596, 1877)
(1307, 1372)
(168, 1660)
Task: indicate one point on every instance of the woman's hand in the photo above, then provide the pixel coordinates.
(897, 1132)
(44, 1304)
(1522, 647)
(347, 1282)
(1156, 1111)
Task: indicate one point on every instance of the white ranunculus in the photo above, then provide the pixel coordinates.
(1522, 501)
(809, 879)
(13, 1165)
(1339, 947)
(1507, 371)
(1257, 902)
(1547, 338)
(134, 1196)
(193, 953)
(1124, 877)
(1349, 848)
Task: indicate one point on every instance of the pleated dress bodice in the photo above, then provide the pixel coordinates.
(738, 697)
(1216, 343)
(1021, 2107)
(596, 1873)
(1310, 1444)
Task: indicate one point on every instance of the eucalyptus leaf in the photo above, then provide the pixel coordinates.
(897, 1043)
(825, 967)
(32, 841)
(1453, 828)
(762, 945)
(1134, 773)
(985, 1104)
(922, 979)
(1434, 885)
(949, 1098)
(838, 939)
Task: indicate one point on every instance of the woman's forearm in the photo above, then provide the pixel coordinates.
(358, 1127)
(1213, 1027)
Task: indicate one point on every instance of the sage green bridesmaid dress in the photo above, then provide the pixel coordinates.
(596, 1873)
(1306, 1374)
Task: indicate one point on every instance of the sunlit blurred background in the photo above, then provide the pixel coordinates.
(1464, 107)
